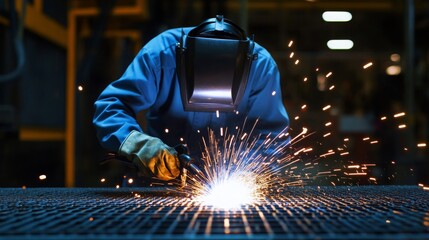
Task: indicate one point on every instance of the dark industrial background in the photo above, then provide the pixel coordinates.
(57, 56)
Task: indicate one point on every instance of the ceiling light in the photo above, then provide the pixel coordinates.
(340, 44)
(336, 16)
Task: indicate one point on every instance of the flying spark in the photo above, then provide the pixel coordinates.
(367, 65)
(399, 115)
(326, 107)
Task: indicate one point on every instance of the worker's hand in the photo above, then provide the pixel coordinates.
(151, 156)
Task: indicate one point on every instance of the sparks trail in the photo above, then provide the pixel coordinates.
(243, 167)
(246, 167)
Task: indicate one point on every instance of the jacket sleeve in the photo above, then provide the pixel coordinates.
(265, 100)
(117, 106)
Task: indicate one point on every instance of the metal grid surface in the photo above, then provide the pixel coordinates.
(367, 212)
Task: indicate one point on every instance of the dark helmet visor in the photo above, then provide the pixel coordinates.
(213, 72)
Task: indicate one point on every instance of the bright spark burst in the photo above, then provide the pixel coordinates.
(241, 168)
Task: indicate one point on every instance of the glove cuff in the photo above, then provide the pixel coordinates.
(133, 143)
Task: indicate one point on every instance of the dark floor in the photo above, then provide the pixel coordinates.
(365, 212)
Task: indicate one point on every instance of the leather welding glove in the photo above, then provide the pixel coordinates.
(151, 156)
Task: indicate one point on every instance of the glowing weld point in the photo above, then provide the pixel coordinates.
(297, 117)
(290, 43)
(332, 87)
(383, 118)
(217, 113)
(166, 130)
(181, 139)
(329, 74)
(296, 62)
(402, 126)
(80, 88)
(303, 106)
(346, 139)
(291, 55)
(367, 65)
(42, 177)
(273, 93)
(328, 124)
(305, 79)
(130, 181)
(231, 193)
(365, 139)
(103, 180)
(117, 186)
(374, 142)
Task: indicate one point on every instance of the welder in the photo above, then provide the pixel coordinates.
(188, 80)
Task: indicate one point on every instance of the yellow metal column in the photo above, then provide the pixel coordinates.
(70, 102)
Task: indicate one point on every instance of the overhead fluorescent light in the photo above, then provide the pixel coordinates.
(336, 16)
(340, 44)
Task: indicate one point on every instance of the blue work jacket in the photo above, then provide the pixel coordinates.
(150, 84)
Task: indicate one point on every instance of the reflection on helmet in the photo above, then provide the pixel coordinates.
(213, 63)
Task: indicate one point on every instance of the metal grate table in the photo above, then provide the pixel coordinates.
(364, 212)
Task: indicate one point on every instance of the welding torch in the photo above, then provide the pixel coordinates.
(186, 162)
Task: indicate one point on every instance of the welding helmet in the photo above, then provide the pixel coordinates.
(213, 62)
